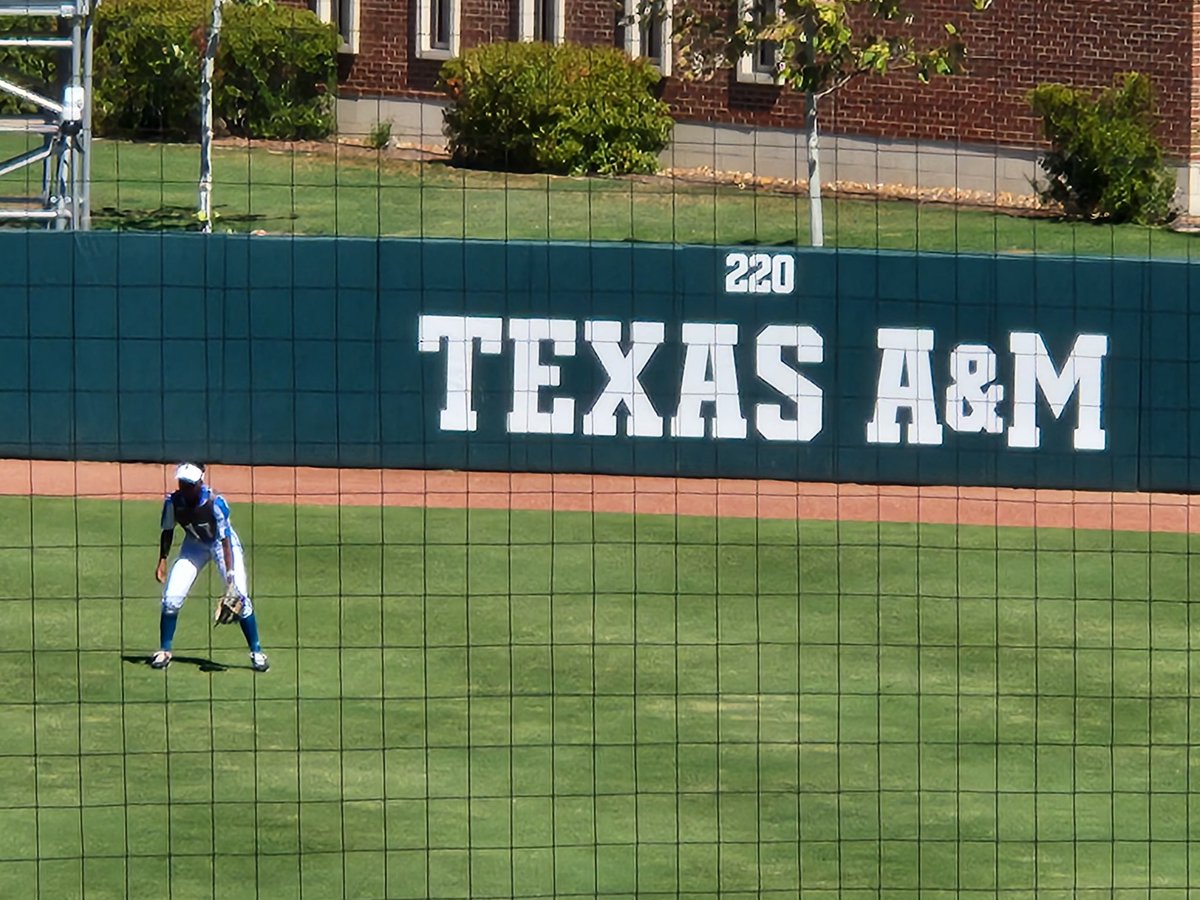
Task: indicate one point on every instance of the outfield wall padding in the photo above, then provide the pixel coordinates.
(825, 365)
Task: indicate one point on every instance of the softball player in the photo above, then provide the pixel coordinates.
(204, 517)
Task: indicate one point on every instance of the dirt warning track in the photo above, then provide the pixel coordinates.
(621, 494)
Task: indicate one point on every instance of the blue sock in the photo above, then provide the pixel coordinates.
(250, 630)
(166, 629)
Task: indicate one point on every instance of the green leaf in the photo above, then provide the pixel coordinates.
(824, 44)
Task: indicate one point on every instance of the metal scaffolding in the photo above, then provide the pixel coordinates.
(64, 121)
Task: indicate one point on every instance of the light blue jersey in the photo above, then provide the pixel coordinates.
(203, 515)
(207, 521)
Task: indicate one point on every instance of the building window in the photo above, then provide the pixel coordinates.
(541, 20)
(437, 29)
(649, 38)
(761, 64)
(343, 14)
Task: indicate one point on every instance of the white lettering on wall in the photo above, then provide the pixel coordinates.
(623, 370)
(709, 349)
(771, 368)
(1081, 375)
(460, 334)
(972, 397)
(905, 382)
(760, 273)
(908, 407)
(530, 375)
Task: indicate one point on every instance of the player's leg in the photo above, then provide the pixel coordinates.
(247, 620)
(180, 579)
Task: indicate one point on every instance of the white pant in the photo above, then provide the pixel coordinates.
(193, 557)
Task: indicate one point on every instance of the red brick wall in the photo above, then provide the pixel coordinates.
(592, 21)
(1022, 43)
(1015, 46)
(1194, 93)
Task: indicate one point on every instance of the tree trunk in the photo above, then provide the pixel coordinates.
(207, 65)
(816, 218)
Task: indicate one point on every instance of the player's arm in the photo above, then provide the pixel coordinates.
(227, 552)
(164, 548)
(164, 540)
(221, 516)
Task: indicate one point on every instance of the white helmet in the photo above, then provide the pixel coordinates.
(189, 473)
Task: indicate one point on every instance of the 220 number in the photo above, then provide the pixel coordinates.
(760, 273)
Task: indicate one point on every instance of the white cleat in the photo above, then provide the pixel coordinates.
(161, 659)
(259, 662)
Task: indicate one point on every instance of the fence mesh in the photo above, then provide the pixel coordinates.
(580, 571)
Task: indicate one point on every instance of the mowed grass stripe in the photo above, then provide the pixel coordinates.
(489, 703)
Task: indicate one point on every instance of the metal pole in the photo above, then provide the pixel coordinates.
(72, 154)
(33, 97)
(206, 117)
(63, 120)
(83, 215)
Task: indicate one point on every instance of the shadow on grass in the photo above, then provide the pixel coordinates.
(174, 218)
(201, 663)
(800, 241)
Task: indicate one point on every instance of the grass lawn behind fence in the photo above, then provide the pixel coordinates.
(141, 185)
(525, 704)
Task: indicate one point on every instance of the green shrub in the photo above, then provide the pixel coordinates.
(147, 67)
(32, 67)
(1104, 162)
(563, 109)
(275, 69)
(276, 73)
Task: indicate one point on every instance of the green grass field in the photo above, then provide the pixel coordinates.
(520, 704)
(153, 186)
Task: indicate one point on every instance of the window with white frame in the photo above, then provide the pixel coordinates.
(650, 35)
(437, 29)
(760, 65)
(542, 20)
(343, 14)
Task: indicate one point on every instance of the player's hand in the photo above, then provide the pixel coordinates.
(160, 571)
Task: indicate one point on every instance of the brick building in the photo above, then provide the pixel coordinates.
(973, 131)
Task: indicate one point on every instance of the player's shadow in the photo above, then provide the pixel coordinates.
(204, 665)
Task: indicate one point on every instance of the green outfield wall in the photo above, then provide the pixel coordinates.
(698, 361)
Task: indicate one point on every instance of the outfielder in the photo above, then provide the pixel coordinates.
(204, 517)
